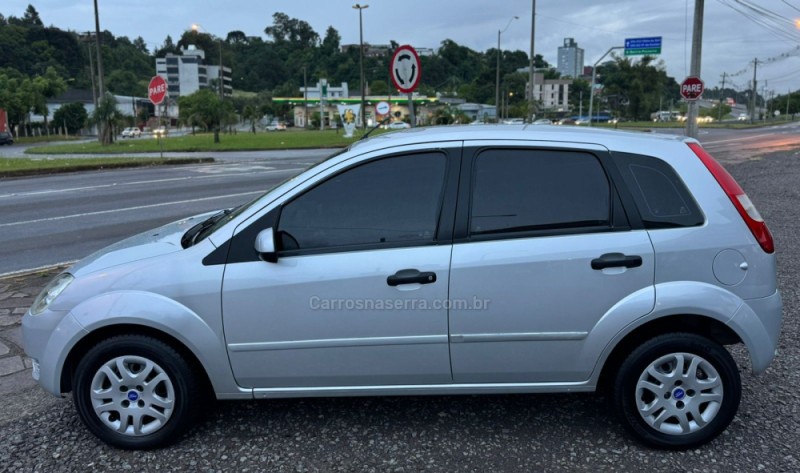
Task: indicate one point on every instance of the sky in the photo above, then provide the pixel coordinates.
(731, 40)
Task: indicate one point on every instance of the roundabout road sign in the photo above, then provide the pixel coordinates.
(405, 69)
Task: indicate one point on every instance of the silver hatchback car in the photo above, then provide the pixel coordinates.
(454, 260)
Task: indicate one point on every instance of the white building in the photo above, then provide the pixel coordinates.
(187, 73)
(552, 94)
(331, 93)
(570, 59)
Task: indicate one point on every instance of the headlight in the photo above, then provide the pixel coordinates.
(50, 292)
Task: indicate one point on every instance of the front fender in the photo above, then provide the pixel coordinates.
(170, 317)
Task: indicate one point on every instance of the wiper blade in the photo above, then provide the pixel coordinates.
(191, 236)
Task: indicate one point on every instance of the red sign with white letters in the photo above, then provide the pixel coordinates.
(157, 90)
(692, 88)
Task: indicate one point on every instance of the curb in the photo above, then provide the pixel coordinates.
(91, 167)
(28, 272)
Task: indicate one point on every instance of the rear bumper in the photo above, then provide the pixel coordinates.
(758, 323)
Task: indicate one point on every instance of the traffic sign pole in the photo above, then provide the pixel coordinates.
(406, 70)
(697, 43)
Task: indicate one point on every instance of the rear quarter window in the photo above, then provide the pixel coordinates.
(663, 199)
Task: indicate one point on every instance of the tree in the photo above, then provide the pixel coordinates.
(236, 37)
(73, 116)
(297, 33)
(579, 93)
(31, 17)
(167, 47)
(139, 44)
(635, 88)
(250, 114)
(46, 87)
(331, 42)
(204, 108)
(107, 116)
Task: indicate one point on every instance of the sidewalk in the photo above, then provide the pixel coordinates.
(16, 295)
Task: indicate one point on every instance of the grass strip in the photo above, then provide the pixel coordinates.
(290, 139)
(16, 167)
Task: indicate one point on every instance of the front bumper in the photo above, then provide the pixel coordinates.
(48, 338)
(758, 323)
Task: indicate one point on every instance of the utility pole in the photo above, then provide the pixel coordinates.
(721, 93)
(497, 104)
(88, 41)
(531, 102)
(102, 89)
(697, 48)
(580, 106)
(788, 97)
(753, 95)
(305, 99)
(360, 8)
(221, 74)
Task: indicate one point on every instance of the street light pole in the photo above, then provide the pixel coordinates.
(594, 75)
(360, 7)
(497, 81)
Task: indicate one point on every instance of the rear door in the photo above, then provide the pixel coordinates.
(543, 250)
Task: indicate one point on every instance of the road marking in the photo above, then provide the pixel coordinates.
(154, 181)
(737, 139)
(138, 207)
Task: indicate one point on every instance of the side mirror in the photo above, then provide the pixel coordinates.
(265, 245)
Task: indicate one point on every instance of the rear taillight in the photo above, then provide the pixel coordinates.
(739, 199)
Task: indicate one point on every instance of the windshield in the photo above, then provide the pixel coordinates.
(219, 220)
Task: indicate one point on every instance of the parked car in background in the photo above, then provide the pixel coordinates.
(275, 125)
(161, 132)
(397, 125)
(131, 132)
(543, 121)
(742, 117)
(453, 260)
(566, 121)
(514, 121)
(6, 138)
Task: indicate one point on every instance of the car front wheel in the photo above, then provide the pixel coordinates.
(135, 392)
(677, 391)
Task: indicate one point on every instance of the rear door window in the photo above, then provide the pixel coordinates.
(522, 190)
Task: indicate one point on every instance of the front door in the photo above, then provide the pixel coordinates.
(358, 294)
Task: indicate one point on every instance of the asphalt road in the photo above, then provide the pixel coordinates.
(569, 433)
(57, 218)
(52, 219)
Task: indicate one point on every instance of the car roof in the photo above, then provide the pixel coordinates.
(610, 139)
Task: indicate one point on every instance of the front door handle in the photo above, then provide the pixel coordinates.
(411, 276)
(614, 260)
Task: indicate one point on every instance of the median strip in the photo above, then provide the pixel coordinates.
(18, 167)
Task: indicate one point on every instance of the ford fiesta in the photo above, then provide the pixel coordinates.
(455, 260)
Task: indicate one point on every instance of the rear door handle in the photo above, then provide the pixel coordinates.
(411, 276)
(614, 260)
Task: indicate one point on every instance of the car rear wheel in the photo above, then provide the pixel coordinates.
(135, 392)
(677, 391)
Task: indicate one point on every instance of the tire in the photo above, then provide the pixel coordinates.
(136, 392)
(677, 391)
